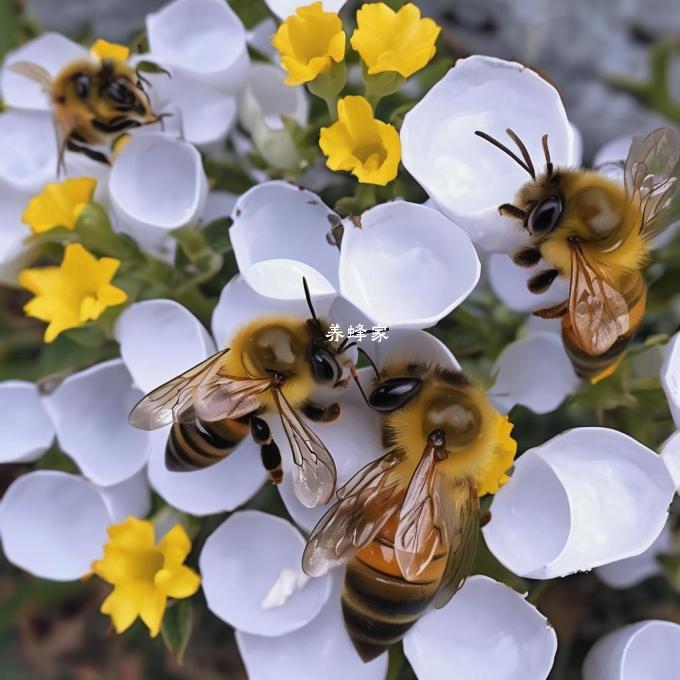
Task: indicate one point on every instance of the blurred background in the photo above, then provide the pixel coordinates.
(617, 66)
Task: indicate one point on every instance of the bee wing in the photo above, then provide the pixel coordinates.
(651, 178)
(458, 505)
(365, 504)
(34, 72)
(212, 395)
(314, 474)
(598, 313)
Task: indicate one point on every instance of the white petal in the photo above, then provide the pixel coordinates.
(670, 454)
(587, 497)
(269, 287)
(132, 496)
(509, 282)
(206, 114)
(90, 414)
(157, 184)
(260, 38)
(51, 51)
(407, 265)
(610, 158)
(218, 204)
(467, 177)
(535, 372)
(204, 39)
(284, 8)
(251, 549)
(631, 571)
(640, 651)
(219, 488)
(28, 150)
(26, 431)
(321, 644)
(278, 220)
(670, 377)
(486, 631)
(412, 345)
(576, 146)
(14, 254)
(159, 339)
(53, 524)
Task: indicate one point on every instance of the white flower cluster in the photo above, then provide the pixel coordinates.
(589, 498)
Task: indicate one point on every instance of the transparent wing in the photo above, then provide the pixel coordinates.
(213, 396)
(314, 473)
(598, 313)
(651, 178)
(366, 503)
(34, 72)
(458, 505)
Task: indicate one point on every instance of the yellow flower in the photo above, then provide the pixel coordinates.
(143, 574)
(394, 41)
(77, 291)
(309, 41)
(107, 50)
(361, 144)
(506, 448)
(59, 204)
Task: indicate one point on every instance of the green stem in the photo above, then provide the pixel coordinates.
(396, 661)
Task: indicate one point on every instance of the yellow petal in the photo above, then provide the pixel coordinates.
(107, 50)
(122, 606)
(152, 610)
(175, 545)
(133, 533)
(59, 204)
(178, 583)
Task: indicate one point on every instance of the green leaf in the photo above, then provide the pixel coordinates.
(176, 628)
(192, 242)
(96, 234)
(216, 234)
(9, 26)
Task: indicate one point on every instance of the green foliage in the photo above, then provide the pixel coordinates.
(176, 628)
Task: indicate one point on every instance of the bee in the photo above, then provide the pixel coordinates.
(94, 101)
(407, 524)
(274, 364)
(596, 233)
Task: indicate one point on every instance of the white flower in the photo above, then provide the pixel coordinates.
(53, 524)
(670, 377)
(640, 651)
(465, 176)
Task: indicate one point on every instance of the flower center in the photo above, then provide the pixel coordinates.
(143, 565)
(371, 155)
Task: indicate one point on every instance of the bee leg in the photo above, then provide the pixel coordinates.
(116, 125)
(90, 153)
(484, 518)
(542, 281)
(321, 414)
(269, 451)
(527, 257)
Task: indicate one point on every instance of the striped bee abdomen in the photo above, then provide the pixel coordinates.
(378, 604)
(198, 444)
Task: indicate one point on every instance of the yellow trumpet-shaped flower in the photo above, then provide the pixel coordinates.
(309, 41)
(59, 204)
(77, 291)
(394, 41)
(144, 574)
(361, 144)
(107, 50)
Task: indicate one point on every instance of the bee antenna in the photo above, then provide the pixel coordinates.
(523, 150)
(546, 152)
(370, 361)
(309, 299)
(504, 149)
(343, 347)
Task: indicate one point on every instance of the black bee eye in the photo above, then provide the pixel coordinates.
(81, 82)
(119, 92)
(324, 367)
(394, 393)
(545, 216)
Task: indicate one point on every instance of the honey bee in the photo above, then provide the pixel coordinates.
(94, 101)
(274, 364)
(596, 233)
(408, 523)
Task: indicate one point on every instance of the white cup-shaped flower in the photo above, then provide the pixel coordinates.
(585, 498)
(284, 8)
(488, 631)
(202, 39)
(266, 99)
(28, 150)
(407, 265)
(157, 184)
(52, 51)
(242, 563)
(14, 255)
(53, 524)
(279, 220)
(640, 651)
(132, 496)
(322, 646)
(89, 410)
(466, 176)
(670, 454)
(534, 371)
(26, 430)
(670, 377)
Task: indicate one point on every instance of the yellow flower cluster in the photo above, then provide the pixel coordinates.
(393, 45)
